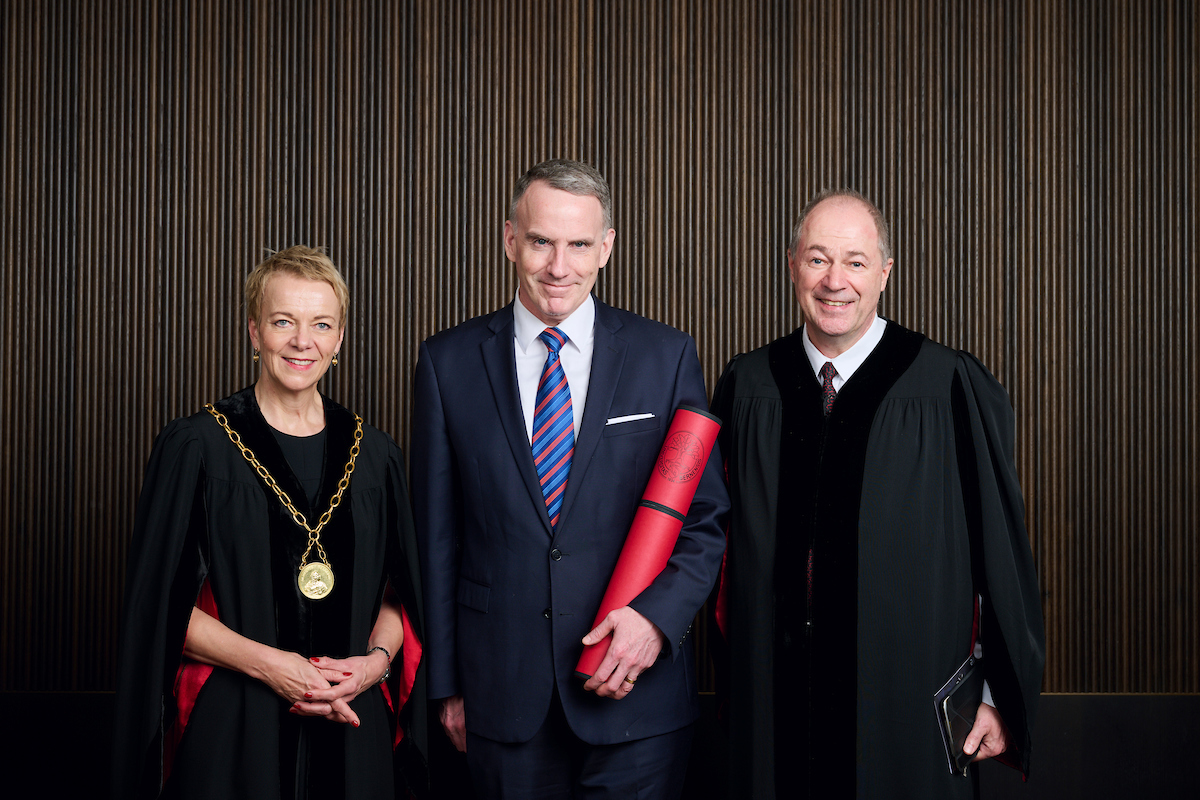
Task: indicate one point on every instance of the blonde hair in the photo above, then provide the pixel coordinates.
(305, 262)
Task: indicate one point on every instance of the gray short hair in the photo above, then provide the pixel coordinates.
(881, 227)
(568, 176)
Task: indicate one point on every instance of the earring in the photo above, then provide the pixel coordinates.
(335, 359)
(255, 356)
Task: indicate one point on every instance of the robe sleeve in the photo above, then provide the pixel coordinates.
(165, 570)
(1012, 628)
(718, 601)
(404, 574)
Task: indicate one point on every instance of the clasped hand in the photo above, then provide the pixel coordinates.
(323, 686)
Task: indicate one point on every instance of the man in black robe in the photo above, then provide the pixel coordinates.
(876, 540)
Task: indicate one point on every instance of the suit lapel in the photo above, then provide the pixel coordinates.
(608, 358)
(500, 361)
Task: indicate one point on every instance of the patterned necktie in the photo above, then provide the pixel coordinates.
(553, 426)
(827, 373)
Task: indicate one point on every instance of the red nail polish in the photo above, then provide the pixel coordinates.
(296, 705)
(314, 659)
(347, 674)
(354, 723)
(308, 694)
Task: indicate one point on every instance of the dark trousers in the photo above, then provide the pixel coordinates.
(555, 763)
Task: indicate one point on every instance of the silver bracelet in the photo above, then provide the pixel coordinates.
(388, 670)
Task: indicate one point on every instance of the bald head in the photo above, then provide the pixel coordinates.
(843, 195)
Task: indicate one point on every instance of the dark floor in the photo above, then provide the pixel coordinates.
(1086, 746)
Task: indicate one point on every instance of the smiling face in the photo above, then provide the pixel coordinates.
(298, 332)
(559, 244)
(838, 273)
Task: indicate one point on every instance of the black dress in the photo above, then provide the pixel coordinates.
(208, 527)
(907, 498)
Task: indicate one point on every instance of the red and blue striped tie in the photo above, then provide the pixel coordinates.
(553, 426)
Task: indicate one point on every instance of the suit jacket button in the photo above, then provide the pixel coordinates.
(556, 554)
(546, 613)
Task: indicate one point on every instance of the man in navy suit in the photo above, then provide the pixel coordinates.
(517, 548)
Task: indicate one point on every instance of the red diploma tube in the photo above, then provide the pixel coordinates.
(659, 519)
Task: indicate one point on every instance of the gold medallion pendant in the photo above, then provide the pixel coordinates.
(316, 578)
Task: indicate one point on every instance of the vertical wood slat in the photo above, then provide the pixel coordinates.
(1039, 163)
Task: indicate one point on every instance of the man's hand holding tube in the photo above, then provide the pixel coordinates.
(636, 643)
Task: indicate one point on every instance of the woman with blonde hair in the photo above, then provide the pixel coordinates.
(271, 603)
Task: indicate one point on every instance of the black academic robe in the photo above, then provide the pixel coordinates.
(209, 530)
(907, 498)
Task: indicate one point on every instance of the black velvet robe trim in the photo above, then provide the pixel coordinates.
(820, 486)
(309, 627)
(299, 618)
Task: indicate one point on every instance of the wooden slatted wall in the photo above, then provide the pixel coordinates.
(1038, 160)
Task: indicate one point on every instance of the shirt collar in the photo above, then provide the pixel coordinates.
(852, 359)
(579, 326)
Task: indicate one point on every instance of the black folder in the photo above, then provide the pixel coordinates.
(955, 705)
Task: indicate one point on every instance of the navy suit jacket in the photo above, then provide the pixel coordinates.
(508, 599)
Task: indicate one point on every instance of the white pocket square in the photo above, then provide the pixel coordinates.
(627, 418)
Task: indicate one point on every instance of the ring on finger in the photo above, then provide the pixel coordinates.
(630, 680)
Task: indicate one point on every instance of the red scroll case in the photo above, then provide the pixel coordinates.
(659, 519)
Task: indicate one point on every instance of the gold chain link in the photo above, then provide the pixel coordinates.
(314, 534)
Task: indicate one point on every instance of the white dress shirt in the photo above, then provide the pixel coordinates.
(575, 355)
(852, 359)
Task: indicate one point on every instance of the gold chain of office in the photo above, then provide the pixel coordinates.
(316, 579)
